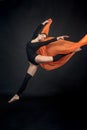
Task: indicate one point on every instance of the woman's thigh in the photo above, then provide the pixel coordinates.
(43, 59)
(32, 69)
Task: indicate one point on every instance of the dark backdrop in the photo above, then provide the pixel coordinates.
(18, 20)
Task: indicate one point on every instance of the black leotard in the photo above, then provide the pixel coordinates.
(31, 48)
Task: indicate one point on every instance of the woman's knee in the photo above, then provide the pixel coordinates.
(38, 59)
(32, 69)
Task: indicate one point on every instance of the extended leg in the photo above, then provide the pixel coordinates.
(30, 73)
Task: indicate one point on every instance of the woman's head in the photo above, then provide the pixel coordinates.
(42, 36)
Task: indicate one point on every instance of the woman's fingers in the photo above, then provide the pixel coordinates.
(65, 36)
(62, 37)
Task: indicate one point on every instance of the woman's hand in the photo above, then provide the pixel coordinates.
(46, 21)
(62, 37)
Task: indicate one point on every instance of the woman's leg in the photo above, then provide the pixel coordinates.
(45, 59)
(30, 73)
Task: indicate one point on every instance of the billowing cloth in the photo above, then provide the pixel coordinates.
(59, 47)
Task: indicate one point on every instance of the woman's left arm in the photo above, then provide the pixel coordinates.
(39, 28)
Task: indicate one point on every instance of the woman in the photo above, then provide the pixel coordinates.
(34, 58)
(53, 52)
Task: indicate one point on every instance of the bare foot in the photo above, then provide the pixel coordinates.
(79, 49)
(14, 98)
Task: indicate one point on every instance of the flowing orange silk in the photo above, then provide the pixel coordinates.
(59, 47)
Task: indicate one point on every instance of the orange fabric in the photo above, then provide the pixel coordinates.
(59, 47)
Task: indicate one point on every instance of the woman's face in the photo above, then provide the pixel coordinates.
(41, 37)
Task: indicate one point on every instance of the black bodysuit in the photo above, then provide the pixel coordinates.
(31, 48)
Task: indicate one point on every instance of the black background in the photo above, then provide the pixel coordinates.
(18, 20)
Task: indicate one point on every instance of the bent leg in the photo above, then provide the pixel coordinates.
(45, 59)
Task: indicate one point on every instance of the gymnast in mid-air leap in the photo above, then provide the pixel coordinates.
(48, 52)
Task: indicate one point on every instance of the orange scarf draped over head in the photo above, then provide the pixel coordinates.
(58, 47)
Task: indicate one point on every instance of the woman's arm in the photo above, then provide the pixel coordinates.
(37, 45)
(39, 28)
(62, 37)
